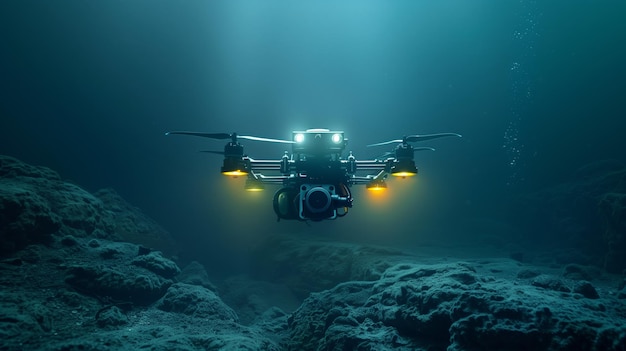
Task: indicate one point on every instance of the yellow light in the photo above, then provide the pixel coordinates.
(403, 174)
(236, 173)
(298, 138)
(377, 191)
(377, 185)
(253, 184)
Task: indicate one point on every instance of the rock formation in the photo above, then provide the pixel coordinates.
(81, 271)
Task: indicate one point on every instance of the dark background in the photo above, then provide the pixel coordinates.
(88, 88)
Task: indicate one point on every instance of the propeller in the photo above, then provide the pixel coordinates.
(232, 136)
(416, 138)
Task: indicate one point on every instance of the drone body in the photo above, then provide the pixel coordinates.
(315, 179)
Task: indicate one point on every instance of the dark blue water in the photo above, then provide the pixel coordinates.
(89, 88)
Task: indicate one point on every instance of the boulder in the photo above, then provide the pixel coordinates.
(195, 301)
(156, 263)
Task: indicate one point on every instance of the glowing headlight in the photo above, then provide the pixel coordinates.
(336, 138)
(404, 168)
(254, 185)
(234, 173)
(298, 138)
(403, 174)
(376, 185)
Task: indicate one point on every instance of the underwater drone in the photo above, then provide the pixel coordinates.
(315, 179)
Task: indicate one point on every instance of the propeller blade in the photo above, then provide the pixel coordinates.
(386, 143)
(415, 138)
(230, 136)
(265, 139)
(213, 152)
(204, 135)
(424, 148)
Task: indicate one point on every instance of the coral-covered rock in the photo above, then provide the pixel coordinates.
(528, 274)
(585, 289)
(110, 316)
(35, 203)
(25, 217)
(136, 286)
(156, 263)
(449, 306)
(11, 168)
(117, 280)
(19, 316)
(196, 301)
(107, 305)
(551, 283)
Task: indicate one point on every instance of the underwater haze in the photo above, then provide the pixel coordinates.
(536, 88)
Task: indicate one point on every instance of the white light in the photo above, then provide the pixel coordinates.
(337, 138)
(298, 138)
